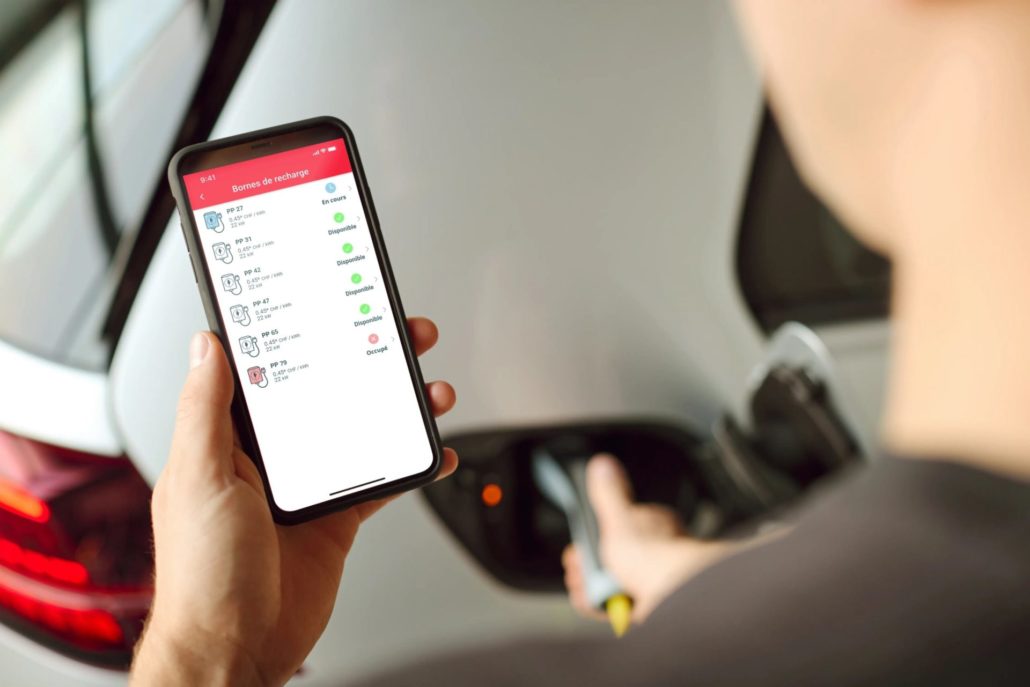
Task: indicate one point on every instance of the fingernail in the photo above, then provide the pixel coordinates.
(601, 465)
(199, 346)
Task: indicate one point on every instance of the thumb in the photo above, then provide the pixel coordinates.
(203, 439)
(610, 492)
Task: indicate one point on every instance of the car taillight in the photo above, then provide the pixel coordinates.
(52, 568)
(75, 558)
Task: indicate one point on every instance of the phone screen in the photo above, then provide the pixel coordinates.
(311, 327)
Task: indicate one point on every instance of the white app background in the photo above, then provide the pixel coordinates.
(325, 380)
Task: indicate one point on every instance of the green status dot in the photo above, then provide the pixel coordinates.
(338, 216)
(365, 308)
(347, 248)
(355, 278)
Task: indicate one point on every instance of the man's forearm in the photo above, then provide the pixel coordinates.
(163, 662)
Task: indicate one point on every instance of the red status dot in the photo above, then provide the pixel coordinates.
(373, 338)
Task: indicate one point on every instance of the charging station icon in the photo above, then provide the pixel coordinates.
(256, 375)
(240, 314)
(223, 252)
(213, 221)
(249, 346)
(231, 283)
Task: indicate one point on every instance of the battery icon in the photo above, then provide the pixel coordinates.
(331, 149)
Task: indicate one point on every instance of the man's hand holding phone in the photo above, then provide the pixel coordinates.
(240, 599)
(292, 270)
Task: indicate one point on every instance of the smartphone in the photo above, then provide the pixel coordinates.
(293, 273)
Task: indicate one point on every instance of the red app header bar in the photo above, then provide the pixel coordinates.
(229, 183)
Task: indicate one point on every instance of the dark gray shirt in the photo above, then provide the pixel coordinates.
(913, 572)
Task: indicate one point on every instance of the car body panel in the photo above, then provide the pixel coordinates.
(39, 390)
(27, 663)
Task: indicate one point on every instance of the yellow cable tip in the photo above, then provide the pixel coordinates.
(619, 609)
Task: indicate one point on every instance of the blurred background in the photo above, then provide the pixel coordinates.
(589, 197)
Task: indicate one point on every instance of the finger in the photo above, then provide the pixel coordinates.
(571, 566)
(423, 332)
(569, 559)
(573, 569)
(610, 492)
(578, 599)
(441, 397)
(658, 520)
(448, 465)
(576, 585)
(203, 438)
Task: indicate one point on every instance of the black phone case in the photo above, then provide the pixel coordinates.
(241, 415)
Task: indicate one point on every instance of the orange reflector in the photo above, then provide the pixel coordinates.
(492, 495)
(21, 502)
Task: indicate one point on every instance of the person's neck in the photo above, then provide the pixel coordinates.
(960, 383)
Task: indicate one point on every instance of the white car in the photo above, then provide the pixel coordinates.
(588, 198)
